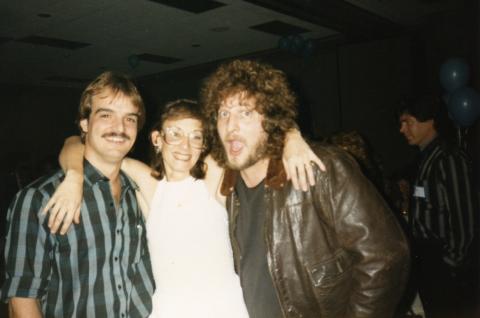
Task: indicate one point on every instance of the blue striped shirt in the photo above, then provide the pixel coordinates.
(100, 268)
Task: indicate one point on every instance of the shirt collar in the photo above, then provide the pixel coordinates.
(430, 146)
(92, 175)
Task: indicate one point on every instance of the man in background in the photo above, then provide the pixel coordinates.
(442, 213)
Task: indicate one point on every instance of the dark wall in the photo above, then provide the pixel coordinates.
(341, 87)
(35, 121)
(375, 76)
(358, 86)
(33, 125)
(454, 34)
(451, 34)
(314, 79)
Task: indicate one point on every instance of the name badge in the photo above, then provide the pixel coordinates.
(419, 192)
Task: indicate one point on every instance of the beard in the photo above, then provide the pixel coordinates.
(257, 152)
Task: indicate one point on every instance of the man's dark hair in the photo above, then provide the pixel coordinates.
(428, 107)
(423, 108)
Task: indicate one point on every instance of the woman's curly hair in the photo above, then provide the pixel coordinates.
(272, 94)
(175, 110)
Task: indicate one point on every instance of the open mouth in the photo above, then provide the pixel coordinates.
(235, 147)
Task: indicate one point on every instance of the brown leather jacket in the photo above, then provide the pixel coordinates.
(334, 251)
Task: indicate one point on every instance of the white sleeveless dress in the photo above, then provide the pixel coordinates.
(191, 255)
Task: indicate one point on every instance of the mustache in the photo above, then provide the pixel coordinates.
(233, 137)
(114, 134)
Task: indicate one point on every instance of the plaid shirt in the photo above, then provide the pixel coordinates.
(100, 268)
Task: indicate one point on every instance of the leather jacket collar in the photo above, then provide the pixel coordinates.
(276, 177)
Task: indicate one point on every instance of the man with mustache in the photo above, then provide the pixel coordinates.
(333, 251)
(101, 267)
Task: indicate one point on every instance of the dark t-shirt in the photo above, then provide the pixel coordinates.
(257, 285)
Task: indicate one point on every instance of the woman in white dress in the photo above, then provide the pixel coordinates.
(187, 226)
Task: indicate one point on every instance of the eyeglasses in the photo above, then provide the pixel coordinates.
(174, 136)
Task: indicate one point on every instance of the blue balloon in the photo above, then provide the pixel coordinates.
(133, 61)
(454, 73)
(464, 106)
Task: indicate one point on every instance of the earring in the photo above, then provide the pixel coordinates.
(157, 149)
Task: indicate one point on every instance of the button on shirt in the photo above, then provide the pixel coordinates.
(100, 268)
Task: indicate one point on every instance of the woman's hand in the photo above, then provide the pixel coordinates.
(298, 159)
(64, 205)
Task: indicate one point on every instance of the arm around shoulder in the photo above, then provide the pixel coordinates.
(142, 175)
(71, 155)
(64, 205)
(213, 179)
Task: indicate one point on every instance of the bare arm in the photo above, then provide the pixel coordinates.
(141, 174)
(71, 155)
(24, 308)
(298, 158)
(64, 205)
(213, 178)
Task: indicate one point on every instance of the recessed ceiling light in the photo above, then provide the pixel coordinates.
(220, 29)
(44, 15)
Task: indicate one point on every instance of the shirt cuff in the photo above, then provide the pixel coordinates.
(19, 286)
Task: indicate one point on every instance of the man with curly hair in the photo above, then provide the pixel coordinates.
(335, 250)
